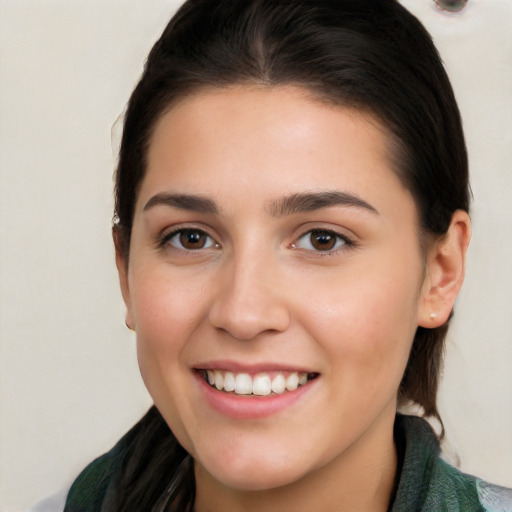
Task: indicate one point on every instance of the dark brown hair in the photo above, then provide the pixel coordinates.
(371, 55)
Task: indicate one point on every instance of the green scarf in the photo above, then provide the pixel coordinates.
(426, 482)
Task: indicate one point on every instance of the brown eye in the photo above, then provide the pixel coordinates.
(189, 240)
(321, 240)
(193, 238)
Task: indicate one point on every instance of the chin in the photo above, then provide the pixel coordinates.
(257, 479)
(252, 473)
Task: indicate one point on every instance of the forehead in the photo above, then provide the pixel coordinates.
(268, 140)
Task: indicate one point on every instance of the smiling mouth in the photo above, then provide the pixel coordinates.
(261, 384)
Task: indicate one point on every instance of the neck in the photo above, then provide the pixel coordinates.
(361, 478)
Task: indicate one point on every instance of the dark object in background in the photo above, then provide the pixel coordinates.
(453, 6)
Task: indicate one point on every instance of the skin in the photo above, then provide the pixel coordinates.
(258, 292)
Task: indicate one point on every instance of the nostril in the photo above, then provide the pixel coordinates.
(451, 6)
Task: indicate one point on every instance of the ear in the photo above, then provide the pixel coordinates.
(446, 263)
(122, 270)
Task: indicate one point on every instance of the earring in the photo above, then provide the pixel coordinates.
(433, 316)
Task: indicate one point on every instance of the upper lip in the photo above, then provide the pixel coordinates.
(251, 368)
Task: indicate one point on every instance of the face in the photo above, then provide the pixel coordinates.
(274, 282)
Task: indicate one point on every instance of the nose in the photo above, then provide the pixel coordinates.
(249, 300)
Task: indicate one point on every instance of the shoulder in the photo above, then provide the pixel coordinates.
(494, 498)
(89, 489)
(54, 503)
(429, 484)
(135, 470)
(467, 492)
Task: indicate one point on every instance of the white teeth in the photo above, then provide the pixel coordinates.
(279, 384)
(261, 385)
(229, 381)
(219, 380)
(243, 384)
(292, 382)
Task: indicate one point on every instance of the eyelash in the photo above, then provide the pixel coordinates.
(346, 243)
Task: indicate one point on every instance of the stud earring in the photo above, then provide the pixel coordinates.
(433, 316)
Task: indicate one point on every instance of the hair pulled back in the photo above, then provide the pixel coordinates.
(371, 55)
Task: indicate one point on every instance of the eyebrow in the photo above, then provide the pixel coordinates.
(189, 202)
(287, 205)
(310, 201)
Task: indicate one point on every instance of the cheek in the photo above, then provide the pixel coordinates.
(166, 312)
(166, 307)
(166, 317)
(366, 322)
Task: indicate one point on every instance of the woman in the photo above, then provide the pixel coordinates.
(291, 227)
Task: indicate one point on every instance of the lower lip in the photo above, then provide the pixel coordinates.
(250, 407)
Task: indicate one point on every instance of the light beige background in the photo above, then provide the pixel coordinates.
(69, 382)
